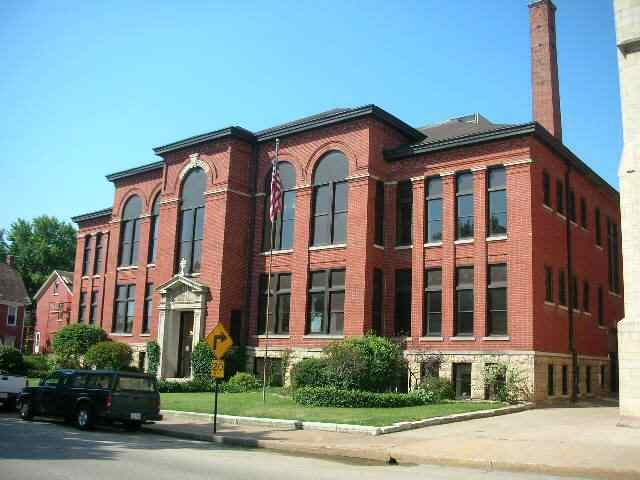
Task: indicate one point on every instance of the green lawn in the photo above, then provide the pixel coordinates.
(280, 406)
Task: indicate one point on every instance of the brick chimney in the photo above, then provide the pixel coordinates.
(544, 66)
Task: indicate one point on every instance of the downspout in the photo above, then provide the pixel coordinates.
(569, 248)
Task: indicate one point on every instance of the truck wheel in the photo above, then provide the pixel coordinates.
(84, 417)
(26, 410)
(133, 426)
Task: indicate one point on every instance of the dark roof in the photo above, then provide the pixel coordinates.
(67, 278)
(92, 215)
(12, 287)
(149, 167)
(459, 127)
(205, 137)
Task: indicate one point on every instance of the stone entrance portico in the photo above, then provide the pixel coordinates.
(178, 295)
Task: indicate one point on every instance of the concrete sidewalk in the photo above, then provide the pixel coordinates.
(579, 441)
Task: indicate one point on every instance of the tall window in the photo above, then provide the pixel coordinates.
(192, 219)
(330, 200)
(572, 206)
(326, 302)
(600, 306)
(279, 304)
(93, 311)
(378, 301)
(403, 303)
(614, 261)
(82, 309)
(597, 228)
(583, 212)
(153, 231)
(12, 316)
(404, 208)
(86, 256)
(130, 238)
(379, 223)
(283, 235)
(148, 308)
(562, 288)
(434, 210)
(546, 189)
(125, 308)
(433, 303)
(548, 284)
(497, 201)
(586, 305)
(464, 301)
(464, 205)
(559, 196)
(98, 262)
(497, 299)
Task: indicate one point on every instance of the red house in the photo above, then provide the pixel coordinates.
(467, 241)
(53, 309)
(13, 300)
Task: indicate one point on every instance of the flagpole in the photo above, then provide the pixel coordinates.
(266, 332)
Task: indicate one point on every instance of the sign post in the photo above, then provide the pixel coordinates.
(220, 342)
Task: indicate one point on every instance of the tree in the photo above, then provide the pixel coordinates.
(109, 355)
(201, 361)
(73, 341)
(39, 247)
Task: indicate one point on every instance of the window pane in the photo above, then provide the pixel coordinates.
(321, 232)
(497, 299)
(132, 209)
(186, 231)
(340, 197)
(465, 300)
(287, 235)
(434, 278)
(337, 278)
(284, 301)
(193, 189)
(464, 276)
(285, 281)
(199, 224)
(434, 187)
(497, 274)
(322, 199)
(497, 178)
(497, 323)
(464, 183)
(434, 302)
(434, 209)
(316, 313)
(196, 261)
(340, 228)
(333, 167)
(318, 279)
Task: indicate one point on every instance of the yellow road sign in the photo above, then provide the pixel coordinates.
(219, 341)
(217, 369)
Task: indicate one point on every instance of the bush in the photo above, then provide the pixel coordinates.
(331, 396)
(11, 360)
(153, 357)
(201, 362)
(109, 355)
(439, 388)
(73, 341)
(309, 372)
(506, 383)
(241, 382)
(383, 359)
(36, 365)
(346, 366)
(184, 387)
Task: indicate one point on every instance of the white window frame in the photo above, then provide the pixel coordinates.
(36, 343)
(15, 316)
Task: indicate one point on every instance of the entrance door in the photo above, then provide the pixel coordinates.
(185, 344)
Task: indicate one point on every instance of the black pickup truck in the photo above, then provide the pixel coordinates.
(85, 397)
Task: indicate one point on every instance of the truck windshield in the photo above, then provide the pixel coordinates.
(136, 384)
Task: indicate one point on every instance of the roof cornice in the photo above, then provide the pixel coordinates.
(92, 215)
(149, 167)
(238, 132)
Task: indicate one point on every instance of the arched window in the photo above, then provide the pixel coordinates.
(283, 235)
(130, 239)
(192, 219)
(330, 200)
(153, 238)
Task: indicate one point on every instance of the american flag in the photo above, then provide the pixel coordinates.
(276, 189)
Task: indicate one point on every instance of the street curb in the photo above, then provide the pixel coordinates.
(350, 428)
(383, 456)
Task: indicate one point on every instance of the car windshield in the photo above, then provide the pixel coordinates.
(137, 384)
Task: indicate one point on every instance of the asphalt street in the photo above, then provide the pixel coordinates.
(52, 450)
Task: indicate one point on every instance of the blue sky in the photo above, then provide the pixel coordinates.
(89, 88)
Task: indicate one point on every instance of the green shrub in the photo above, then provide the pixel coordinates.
(506, 383)
(331, 396)
(242, 382)
(383, 360)
(309, 372)
(109, 355)
(184, 387)
(201, 362)
(346, 366)
(73, 341)
(11, 360)
(36, 365)
(153, 357)
(439, 388)
(236, 361)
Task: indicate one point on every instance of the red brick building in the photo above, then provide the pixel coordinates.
(474, 241)
(13, 301)
(53, 309)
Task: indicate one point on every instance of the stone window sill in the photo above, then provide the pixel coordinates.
(588, 314)
(561, 215)
(463, 241)
(96, 276)
(563, 307)
(431, 339)
(275, 335)
(614, 294)
(403, 247)
(549, 304)
(497, 238)
(462, 339)
(599, 247)
(114, 334)
(278, 252)
(320, 336)
(85, 277)
(497, 338)
(124, 269)
(547, 207)
(328, 247)
(432, 244)
(602, 327)
(381, 247)
(151, 265)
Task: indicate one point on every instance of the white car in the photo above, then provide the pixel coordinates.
(10, 388)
